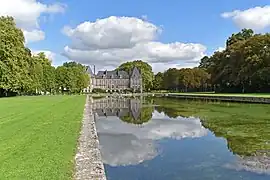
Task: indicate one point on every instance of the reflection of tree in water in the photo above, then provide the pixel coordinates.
(245, 126)
(133, 110)
(168, 111)
(147, 100)
(140, 111)
(144, 116)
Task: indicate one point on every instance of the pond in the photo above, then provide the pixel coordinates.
(159, 138)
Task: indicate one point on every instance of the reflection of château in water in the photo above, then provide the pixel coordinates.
(125, 109)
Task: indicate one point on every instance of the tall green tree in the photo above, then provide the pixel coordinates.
(158, 83)
(205, 62)
(49, 75)
(42, 73)
(24, 73)
(64, 79)
(171, 79)
(36, 73)
(186, 79)
(80, 77)
(146, 70)
(72, 77)
(14, 58)
(243, 66)
(241, 36)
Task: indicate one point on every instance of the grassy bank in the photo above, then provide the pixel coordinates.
(245, 126)
(38, 136)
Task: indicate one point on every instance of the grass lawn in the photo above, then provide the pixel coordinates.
(38, 136)
(265, 95)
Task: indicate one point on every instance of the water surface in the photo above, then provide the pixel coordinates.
(144, 139)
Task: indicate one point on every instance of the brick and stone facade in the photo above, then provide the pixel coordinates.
(115, 81)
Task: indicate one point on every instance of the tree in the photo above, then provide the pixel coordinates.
(158, 83)
(14, 58)
(49, 81)
(243, 66)
(205, 62)
(72, 77)
(63, 78)
(171, 79)
(146, 71)
(243, 35)
(186, 79)
(36, 73)
(24, 73)
(80, 77)
(144, 117)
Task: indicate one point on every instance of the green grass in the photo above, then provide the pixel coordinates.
(38, 136)
(264, 95)
(245, 126)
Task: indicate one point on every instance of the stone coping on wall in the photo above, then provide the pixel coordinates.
(246, 99)
(88, 161)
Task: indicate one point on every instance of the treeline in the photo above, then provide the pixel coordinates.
(22, 73)
(184, 80)
(243, 67)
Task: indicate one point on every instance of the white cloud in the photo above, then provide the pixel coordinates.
(126, 144)
(55, 58)
(112, 32)
(257, 18)
(114, 40)
(34, 35)
(144, 17)
(49, 54)
(27, 13)
(220, 49)
(125, 149)
(161, 67)
(153, 52)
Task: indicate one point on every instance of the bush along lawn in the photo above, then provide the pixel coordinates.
(38, 136)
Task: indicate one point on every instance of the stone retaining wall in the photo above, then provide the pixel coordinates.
(223, 98)
(89, 165)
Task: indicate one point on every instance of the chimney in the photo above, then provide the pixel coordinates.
(94, 70)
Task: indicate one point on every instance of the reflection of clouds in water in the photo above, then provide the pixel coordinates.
(128, 144)
(125, 149)
(256, 164)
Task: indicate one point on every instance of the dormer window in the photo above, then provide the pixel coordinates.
(120, 76)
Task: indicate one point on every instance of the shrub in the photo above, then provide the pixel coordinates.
(98, 90)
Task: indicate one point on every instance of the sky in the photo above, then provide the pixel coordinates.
(106, 33)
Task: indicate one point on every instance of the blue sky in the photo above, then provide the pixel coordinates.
(186, 22)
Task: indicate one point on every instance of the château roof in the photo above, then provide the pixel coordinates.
(112, 74)
(89, 70)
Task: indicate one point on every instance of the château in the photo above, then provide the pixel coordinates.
(115, 81)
